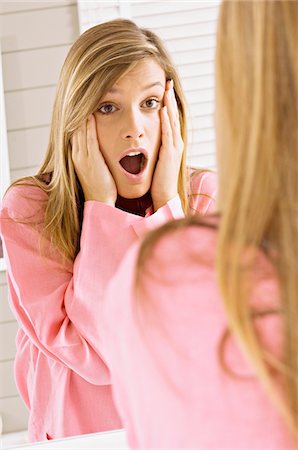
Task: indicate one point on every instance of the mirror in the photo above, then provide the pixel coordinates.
(32, 57)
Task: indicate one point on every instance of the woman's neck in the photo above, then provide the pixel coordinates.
(135, 205)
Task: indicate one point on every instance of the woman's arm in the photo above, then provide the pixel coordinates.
(59, 306)
(44, 292)
(203, 191)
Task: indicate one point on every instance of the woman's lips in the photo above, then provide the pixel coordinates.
(134, 162)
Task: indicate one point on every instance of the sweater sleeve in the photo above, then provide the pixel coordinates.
(170, 211)
(59, 305)
(115, 235)
(203, 191)
(43, 289)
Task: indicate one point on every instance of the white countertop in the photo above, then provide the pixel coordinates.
(115, 440)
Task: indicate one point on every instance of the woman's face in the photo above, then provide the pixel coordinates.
(129, 129)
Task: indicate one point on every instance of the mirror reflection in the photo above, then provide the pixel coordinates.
(98, 158)
(182, 332)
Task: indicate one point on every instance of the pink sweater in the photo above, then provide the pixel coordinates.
(59, 368)
(169, 386)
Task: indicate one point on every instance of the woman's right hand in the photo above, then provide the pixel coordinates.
(93, 173)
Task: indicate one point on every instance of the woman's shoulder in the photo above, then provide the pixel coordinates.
(23, 200)
(185, 250)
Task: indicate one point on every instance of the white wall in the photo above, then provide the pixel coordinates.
(35, 37)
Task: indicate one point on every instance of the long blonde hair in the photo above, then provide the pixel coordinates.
(257, 144)
(94, 63)
(257, 148)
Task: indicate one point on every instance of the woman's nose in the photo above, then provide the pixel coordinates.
(133, 126)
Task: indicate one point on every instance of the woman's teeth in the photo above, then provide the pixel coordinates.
(134, 154)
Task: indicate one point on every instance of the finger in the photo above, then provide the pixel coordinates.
(171, 100)
(92, 142)
(166, 129)
(82, 139)
(75, 153)
(173, 114)
(173, 97)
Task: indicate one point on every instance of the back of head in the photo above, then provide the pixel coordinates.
(257, 102)
(257, 145)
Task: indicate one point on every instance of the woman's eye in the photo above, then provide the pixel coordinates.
(107, 109)
(152, 103)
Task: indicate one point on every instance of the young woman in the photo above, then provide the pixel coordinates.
(114, 169)
(205, 352)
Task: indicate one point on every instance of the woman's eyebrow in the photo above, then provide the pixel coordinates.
(115, 90)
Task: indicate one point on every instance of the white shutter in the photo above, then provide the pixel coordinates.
(4, 164)
(188, 29)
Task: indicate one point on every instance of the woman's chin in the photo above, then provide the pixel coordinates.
(131, 192)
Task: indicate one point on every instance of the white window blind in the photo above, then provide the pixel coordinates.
(4, 164)
(188, 29)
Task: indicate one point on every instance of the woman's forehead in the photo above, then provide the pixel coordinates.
(144, 75)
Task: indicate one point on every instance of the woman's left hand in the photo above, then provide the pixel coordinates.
(165, 179)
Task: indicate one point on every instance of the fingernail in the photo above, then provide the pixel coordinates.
(90, 117)
(165, 109)
(171, 84)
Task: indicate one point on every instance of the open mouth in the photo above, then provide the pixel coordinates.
(133, 162)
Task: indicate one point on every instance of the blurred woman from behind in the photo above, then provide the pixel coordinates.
(209, 306)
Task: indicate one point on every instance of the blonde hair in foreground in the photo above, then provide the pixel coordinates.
(257, 146)
(94, 63)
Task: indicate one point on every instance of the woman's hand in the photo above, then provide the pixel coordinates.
(165, 179)
(93, 173)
